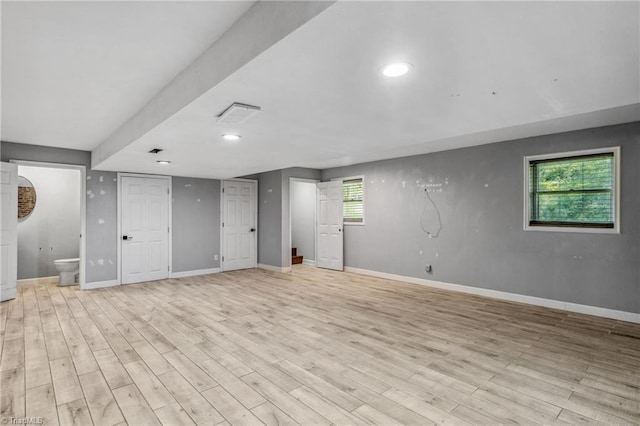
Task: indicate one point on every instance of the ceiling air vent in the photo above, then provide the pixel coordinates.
(237, 113)
(155, 150)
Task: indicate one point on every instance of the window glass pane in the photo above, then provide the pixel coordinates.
(578, 208)
(576, 174)
(572, 191)
(353, 200)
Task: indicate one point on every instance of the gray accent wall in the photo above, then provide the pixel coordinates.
(102, 226)
(52, 230)
(196, 224)
(270, 218)
(273, 214)
(45, 154)
(303, 218)
(468, 224)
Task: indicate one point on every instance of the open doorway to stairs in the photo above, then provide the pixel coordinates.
(302, 221)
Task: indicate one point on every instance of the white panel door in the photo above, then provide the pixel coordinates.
(8, 230)
(330, 223)
(239, 233)
(145, 229)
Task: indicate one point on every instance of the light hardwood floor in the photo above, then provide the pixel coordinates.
(312, 347)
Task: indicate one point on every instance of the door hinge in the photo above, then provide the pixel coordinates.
(223, 224)
(168, 229)
(223, 258)
(167, 191)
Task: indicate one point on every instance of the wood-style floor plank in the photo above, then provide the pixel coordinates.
(308, 347)
(41, 402)
(271, 415)
(74, 413)
(65, 381)
(134, 407)
(173, 414)
(232, 410)
(102, 405)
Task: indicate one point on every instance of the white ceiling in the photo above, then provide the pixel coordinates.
(72, 72)
(553, 66)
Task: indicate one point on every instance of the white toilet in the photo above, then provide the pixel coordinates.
(68, 269)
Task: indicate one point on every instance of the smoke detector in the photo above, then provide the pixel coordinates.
(238, 113)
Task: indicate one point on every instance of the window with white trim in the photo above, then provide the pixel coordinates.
(353, 200)
(573, 191)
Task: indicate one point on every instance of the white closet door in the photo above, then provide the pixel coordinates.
(145, 229)
(8, 231)
(239, 229)
(330, 225)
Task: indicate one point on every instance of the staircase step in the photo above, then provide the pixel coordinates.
(295, 260)
(294, 251)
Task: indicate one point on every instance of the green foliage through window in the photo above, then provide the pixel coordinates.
(353, 200)
(573, 191)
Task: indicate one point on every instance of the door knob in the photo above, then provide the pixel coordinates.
(127, 238)
(252, 230)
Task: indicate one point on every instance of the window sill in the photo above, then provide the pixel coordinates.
(573, 230)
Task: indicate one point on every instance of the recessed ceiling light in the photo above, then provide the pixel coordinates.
(163, 162)
(231, 137)
(396, 69)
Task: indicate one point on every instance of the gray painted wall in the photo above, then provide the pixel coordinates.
(482, 242)
(101, 204)
(303, 218)
(196, 223)
(52, 230)
(273, 214)
(269, 218)
(102, 226)
(45, 154)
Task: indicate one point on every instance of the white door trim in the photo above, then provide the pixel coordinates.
(315, 219)
(119, 213)
(9, 234)
(83, 208)
(255, 242)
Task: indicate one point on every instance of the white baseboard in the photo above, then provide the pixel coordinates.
(41, 280)
(99, 284)
(502, 295)
(274, 268)
(194, 273)
(309, 262)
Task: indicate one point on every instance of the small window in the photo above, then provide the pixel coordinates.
(353, 200)
(573, 191)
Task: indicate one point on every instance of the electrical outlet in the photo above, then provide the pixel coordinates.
(428, 269)
(215, 257)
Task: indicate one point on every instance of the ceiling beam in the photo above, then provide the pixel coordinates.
(262, 26)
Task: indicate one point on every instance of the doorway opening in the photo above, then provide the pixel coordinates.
(302, 221)
(51, 223)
